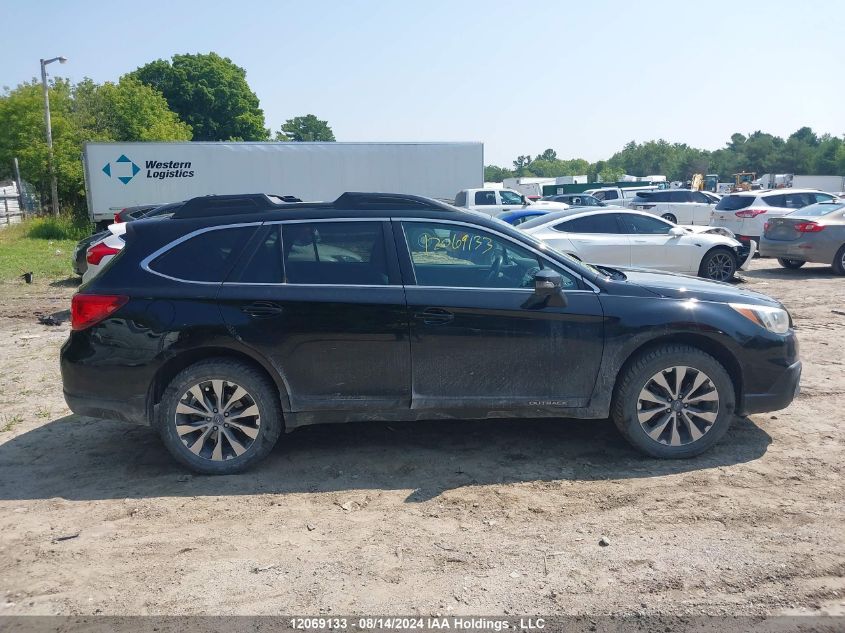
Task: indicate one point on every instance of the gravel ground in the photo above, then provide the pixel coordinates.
(443, 517)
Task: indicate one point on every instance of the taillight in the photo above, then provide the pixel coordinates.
(117, 219)
(86, 310)
(749, 213)
(767, 226)
(808, 227)
(98, 251)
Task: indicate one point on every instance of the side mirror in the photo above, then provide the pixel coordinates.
(548, 291)
(677, 231)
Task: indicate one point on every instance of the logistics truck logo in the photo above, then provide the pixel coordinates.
(125, 169)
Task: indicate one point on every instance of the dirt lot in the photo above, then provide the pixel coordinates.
(451, 518)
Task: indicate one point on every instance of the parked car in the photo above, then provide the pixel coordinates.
(494, 201)
(679, 206)
(815, 233)
(134, 213)
(746, 212)
(515, 218)
(80, 253)
(101, 252)
(575, 200)
(618, 237)
(223, 330)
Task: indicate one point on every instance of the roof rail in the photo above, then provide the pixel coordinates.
(354, 200)
(213, 205)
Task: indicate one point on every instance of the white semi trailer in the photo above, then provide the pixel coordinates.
(120, 175)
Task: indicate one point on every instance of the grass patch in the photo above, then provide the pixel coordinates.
(8, 422)
(43, 246)
(64, 227)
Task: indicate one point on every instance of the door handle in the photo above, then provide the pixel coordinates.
(263, 309)
(434, 316)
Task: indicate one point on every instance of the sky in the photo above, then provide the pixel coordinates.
(582, 78)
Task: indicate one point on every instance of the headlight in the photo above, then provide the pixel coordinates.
(773, 319)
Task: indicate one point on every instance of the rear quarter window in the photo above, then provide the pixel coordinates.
(734, 203)
(208, 256)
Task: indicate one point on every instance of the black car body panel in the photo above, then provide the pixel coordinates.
(399, 350)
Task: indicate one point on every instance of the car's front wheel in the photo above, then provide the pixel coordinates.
(718, 264)
(220, 416)
(674, 401)
(792, 264)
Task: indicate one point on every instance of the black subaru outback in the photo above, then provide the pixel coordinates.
(240, 317)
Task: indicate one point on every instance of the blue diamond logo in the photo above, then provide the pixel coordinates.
(124, 169)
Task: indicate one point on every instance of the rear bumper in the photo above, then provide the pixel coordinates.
(783, 391)
(94, 407)
(802, 250)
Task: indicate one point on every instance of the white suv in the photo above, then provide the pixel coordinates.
(680, 206)
(746, 212)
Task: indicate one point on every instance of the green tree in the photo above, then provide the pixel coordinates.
(520, 166)
(549, 154)
(126, 111)
(210, 93)
(493, 173)
(305, 128)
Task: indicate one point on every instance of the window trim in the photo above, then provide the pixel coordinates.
(145, 263)
(592, 288)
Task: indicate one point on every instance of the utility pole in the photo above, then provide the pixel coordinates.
(21, 199)
(54, 185)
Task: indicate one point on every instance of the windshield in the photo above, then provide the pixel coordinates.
(819, 209)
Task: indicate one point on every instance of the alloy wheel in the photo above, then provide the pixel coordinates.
(217, 420)
(678, 405)
(720, 267)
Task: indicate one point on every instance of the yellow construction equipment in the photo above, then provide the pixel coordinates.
(743, 180)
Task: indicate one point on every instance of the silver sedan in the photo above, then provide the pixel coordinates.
(813, 234)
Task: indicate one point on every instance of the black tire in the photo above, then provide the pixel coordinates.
(670, 217)
(839, 261)
(268, 423)
(791, 264)
(638, 374)
(718, 264)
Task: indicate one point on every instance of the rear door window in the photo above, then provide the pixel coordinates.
(208, 256)
(339, 253)
(598, 223)
(265, 263)
(485, 198)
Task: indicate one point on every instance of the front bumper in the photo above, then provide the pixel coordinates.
(783, 391)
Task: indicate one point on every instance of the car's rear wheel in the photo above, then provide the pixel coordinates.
(718, 264)
(673, 402)
(670, 217)
(220, 416)
(839, 261)
(792, 264)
